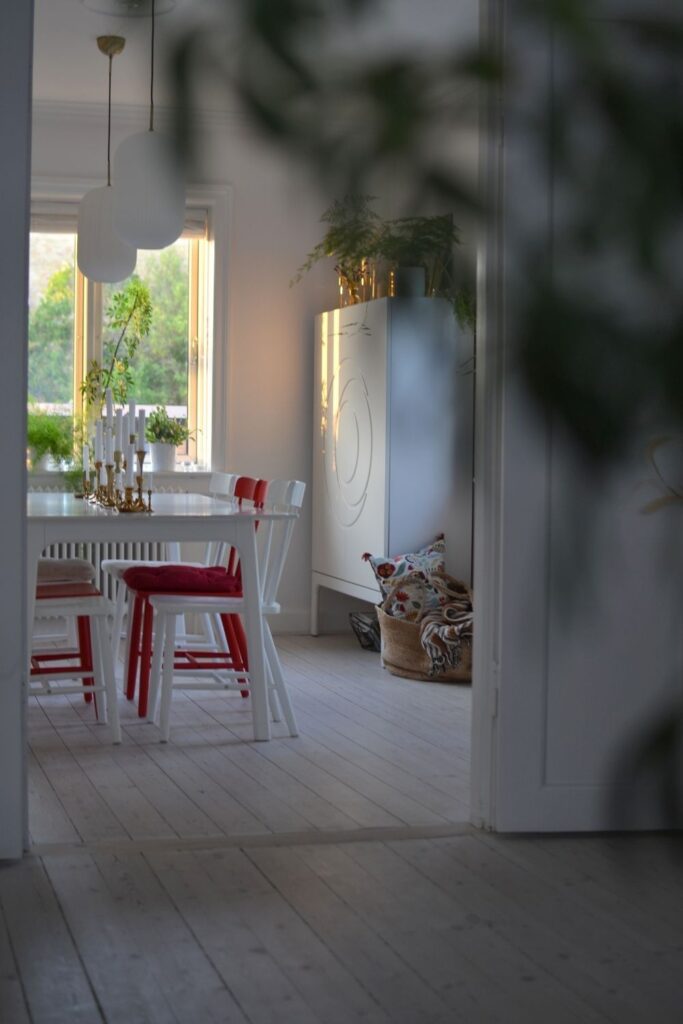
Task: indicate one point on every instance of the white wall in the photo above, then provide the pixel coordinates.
(274, 222)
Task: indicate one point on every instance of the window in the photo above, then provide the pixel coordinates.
(67, 326)
(52, 316)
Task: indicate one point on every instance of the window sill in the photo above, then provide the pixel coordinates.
(179, 479)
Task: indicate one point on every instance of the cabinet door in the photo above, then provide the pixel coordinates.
(350, 440)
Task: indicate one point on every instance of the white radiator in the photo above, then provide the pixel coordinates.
(97, 553)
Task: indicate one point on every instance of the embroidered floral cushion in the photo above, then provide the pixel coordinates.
(428, 559)
(412, 597)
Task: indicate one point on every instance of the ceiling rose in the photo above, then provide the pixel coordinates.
(129, 8)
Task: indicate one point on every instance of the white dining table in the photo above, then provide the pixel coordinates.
(53, 518)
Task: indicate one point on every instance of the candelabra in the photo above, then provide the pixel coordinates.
(107, 494)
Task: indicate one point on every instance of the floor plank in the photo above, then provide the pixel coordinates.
(12, 1002)
(54, 980)
(141, 957)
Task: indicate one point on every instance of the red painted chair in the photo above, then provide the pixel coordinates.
(283, 496)
(221, 485)
(141, 630)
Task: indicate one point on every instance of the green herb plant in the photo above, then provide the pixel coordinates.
(49, 434)
(353, 230)
(129, 313)
(162, 429)
(357, 235)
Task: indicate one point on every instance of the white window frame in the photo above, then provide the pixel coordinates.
(51, 197)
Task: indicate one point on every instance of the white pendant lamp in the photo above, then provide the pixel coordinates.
(102, 253)
(149, 190)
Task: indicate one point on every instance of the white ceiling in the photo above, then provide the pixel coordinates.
(68, 67)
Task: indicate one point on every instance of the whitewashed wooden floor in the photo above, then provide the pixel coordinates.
(468, 929)
(215, 880)
(374, 752)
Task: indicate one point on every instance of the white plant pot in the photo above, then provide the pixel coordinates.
(163, 457)
(44, 464)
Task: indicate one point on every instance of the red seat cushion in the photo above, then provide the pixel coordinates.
(47, 591)
(182, 579)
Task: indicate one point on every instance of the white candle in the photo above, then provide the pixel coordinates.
(118, 430)
(130, 466)
(98, 441)
(103, 476)
(142, 446)
(86, 458)
(124, 432)
(108, 447)
(131, 415)
(109, 405)
(149, 481)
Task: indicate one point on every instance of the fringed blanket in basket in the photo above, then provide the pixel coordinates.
(426, 622)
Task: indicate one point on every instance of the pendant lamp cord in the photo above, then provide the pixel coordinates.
(111, 58)
(151, 79)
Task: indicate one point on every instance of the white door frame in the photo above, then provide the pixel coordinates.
(16, 70)
(16, 53)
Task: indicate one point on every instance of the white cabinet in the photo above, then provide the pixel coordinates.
(392, 451)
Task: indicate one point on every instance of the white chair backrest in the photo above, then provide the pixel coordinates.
(283, 496)
(222, 485)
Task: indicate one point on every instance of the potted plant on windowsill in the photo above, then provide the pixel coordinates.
(164, 435)
(50, 439)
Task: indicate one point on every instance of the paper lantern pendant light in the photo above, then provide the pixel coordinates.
(149, 194)
(102, 254)
(149, 190)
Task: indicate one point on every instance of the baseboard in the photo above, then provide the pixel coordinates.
(291, 621)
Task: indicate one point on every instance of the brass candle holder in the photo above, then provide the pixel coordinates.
(107, 500)
(140, 501)
(85, 487)
(128, 504)
(97, 492)
(118, 466)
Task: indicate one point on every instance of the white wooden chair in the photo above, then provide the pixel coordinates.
(274, 539)
(221, 485)
(85, 667)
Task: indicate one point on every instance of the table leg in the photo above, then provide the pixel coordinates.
(33, 553)
(254, 629)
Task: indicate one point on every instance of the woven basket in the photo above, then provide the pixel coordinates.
(403, 654)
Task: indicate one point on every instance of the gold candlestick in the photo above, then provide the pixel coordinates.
(128, 503)
(118, 465)
(108, 496)
(149, 501)
(98, 486)
(83, 493)
(138, 479)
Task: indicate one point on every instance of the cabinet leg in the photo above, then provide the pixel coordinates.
(315, 607)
